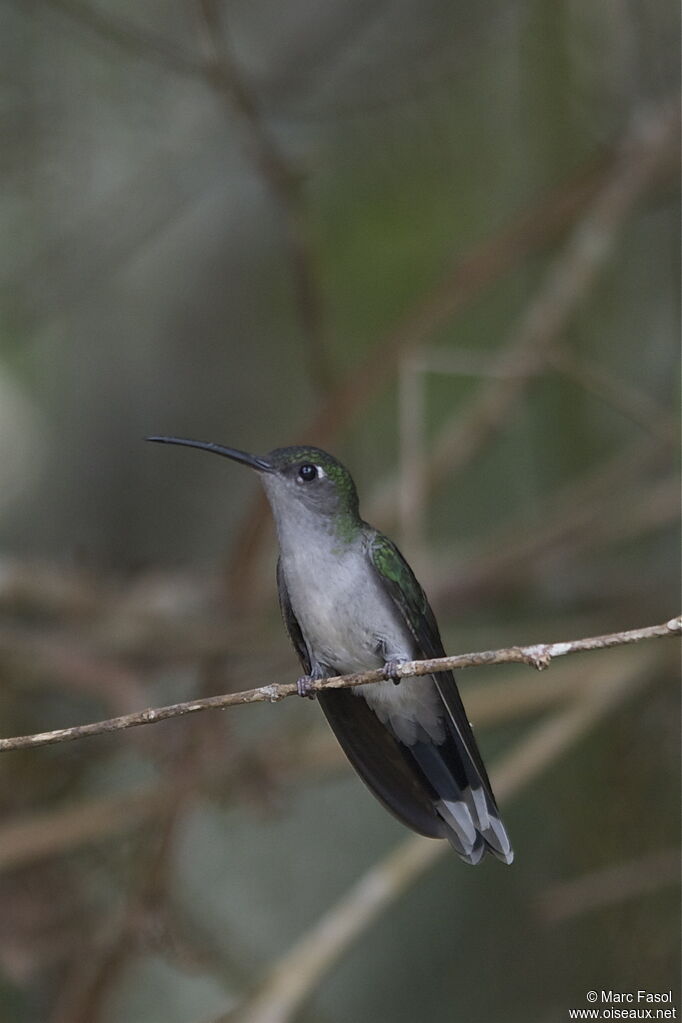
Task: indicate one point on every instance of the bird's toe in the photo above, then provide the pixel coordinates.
(392, 671)
(304, 686)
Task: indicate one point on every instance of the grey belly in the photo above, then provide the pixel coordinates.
(351, 625)
(352, 628)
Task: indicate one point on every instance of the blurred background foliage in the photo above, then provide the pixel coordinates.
(440, 239)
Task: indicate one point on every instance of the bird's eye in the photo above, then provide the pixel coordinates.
(307, 472)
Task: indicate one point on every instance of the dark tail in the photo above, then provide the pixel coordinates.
(464, 800)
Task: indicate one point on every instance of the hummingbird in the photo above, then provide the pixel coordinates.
(350, 603)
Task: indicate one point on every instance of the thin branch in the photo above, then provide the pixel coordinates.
(276, 762)
(538, 655)
(292, 979)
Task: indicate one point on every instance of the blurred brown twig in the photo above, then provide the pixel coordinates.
(613, 884)
(596, 508)
(284, 183)
(118, 935)
(134, 38)
(648, 147)
(603, 194)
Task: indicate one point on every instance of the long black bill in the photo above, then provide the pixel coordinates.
(260, 464)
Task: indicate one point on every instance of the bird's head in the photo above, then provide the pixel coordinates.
(296, 479)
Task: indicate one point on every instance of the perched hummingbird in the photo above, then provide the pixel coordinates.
(350, 602)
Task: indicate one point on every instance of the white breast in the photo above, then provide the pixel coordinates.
(350, 624)
(345, 618)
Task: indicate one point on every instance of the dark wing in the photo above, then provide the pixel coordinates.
(399, 579)
(380, 761)
(454, 768)
(292, 626)
(371, 748)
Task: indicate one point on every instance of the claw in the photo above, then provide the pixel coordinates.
(304, 686)
(392, 671)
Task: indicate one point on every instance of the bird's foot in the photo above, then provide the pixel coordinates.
(304, 686)
(392, 671)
